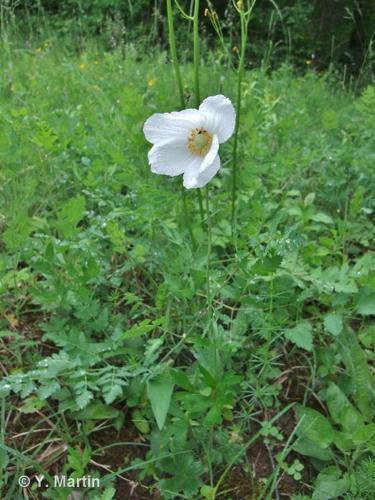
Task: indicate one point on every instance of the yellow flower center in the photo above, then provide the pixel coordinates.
(199, 141)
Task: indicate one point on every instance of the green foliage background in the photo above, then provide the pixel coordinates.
(103, 301)
(336, 31)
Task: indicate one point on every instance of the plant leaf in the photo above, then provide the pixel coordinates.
(160, 391)
(333, 324)
(301, 335)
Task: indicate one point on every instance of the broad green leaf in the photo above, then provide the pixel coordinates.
(364, 433)
(365, 302)
(301, 335)
(314, 426)
(309, 448)
(160, 391)
(140, 422)
(330, 484)
(321, 217)
(341, 410)
(213, 417)
(97, 411)
(356, 365)
(333, 324)
(309, 199)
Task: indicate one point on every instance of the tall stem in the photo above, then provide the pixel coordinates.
(187, 220)
(172, 46)
(208, 264)
(196, 83)
(244, 20)
(173, 49)
(196, 52)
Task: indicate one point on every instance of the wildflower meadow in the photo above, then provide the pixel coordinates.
(187, 266)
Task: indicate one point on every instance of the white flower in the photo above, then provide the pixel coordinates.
(187, 142)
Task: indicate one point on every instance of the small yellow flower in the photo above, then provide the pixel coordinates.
(82, 66)
(308, 62)
(151, 83)
(39, 49)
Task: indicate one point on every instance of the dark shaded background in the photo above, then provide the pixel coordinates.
(312, 32)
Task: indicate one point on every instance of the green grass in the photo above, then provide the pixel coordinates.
(104, 323)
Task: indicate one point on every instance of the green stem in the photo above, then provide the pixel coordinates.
(196, 52)
(187, 218)
(173, 49)
(200, 202)
(244, 20)
(172, 46)
(209, 244)
(196, 84)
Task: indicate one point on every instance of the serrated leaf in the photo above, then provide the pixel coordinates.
(70, 215)
(45, 391)
(145, 326)
(333, 323)
(114, 392)
(301, 335)
(84, 398)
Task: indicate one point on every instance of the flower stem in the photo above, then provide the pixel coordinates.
(187, 219)
(176, 67)
(196, 52)
(172, 46)
(244, 23)
(208, 264)
(196, 83)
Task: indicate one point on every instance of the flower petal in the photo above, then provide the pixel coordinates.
(170, 158)
(209, 172)
(220, 116)
(177, 125)
(197, 175)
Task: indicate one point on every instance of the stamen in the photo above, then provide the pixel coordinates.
(199, 141)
